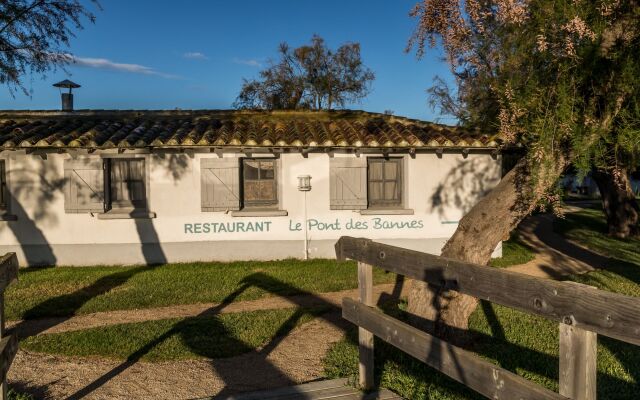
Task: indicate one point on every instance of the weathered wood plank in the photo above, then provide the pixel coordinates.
(606, 313)
(365, 338)
(465, 367)
(8, 274)
(578, 355)
(288, 390)
(336, 389)
(8, 350)
(8, 270)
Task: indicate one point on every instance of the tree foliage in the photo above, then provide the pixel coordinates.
(561, 78)
(33, 35)
(309, 77)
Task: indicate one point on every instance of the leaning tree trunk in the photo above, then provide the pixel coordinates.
(479, 232)
(619, 203)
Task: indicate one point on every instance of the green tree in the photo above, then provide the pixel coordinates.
(33, 35)
(309, 77)
(559, 77)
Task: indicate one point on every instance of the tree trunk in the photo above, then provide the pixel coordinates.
(618, 203)
(490, 221)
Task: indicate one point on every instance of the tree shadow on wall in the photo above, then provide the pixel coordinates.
(30, 237)
(465, 184)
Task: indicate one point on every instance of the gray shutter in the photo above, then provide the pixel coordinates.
(84, 185)
(220, 184)
(348, 182)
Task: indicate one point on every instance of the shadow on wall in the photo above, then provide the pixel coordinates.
(36, 183)
(175, 166)
(150, 242)
(34, 245)
(465, 185)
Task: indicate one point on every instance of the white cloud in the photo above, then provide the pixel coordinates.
(103, 63)
(249, 62)
(195, 55)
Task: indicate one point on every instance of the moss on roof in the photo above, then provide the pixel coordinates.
(162, 128)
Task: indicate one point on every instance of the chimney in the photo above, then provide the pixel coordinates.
(67, 98)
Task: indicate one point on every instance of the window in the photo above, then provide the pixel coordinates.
(259, 183)
(127, 185)
(3, 187)
(384, 181)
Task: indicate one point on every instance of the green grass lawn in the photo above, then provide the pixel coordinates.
(65, 291)
(218, 336)
(514, 252)
(519, 342)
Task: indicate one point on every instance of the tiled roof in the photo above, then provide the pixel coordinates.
(219, 128)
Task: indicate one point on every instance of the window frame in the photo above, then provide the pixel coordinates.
(259, 204)
(4, 192)
(384, 204)
(135, 205)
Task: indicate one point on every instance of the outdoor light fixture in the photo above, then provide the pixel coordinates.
(304, 185)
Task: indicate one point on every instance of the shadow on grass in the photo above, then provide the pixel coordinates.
(189, 330)
(63, 307)
(415, 380)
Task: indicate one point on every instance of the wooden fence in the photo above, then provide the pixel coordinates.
(582, 311)
(8, 342)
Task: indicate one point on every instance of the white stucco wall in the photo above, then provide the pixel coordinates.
(438, 189)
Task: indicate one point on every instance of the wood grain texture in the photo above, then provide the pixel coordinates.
(606, 313)
(365, 338)
(336, 389)
(578, 356)
(8, 350)
(8, 270)
(465, 367)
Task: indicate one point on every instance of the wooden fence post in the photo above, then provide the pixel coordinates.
(4, 391)
(365, 338)
(578, 359)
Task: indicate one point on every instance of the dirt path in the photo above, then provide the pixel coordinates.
(95, 320)
(295, 359)
(285, 361)
(556, 257)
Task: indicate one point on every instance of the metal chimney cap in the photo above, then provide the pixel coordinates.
(67, 84)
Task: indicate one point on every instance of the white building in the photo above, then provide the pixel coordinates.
(124, 187)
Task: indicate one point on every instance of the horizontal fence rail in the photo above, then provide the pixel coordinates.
(461, 365)
(582, 311)
(582, 306)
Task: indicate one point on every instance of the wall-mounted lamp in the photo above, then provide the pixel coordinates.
(304, 185)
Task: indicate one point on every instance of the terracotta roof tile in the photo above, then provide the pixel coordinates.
(131, 129)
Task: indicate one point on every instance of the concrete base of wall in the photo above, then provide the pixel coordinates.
(154, 253)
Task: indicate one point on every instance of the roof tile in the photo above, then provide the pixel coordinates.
(130, 129)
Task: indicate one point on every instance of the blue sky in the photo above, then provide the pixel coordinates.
(190, 54)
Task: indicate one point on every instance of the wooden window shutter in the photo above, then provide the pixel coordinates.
(348, 182)
(220, 184)
(84, 185)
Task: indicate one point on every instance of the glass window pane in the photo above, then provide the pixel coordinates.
(268, 191)
(375, 192)
(127, 181)
(390, 170)
(251, 169)
(375, 170)
(267, 170)
(391, 191)
(252, 191)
